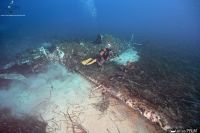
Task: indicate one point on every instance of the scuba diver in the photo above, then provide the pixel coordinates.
(12, 8)
(98, 39)
(103, 56)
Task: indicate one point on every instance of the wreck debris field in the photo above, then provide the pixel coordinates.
(108, 66)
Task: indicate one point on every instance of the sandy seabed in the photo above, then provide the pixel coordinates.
(68, 102)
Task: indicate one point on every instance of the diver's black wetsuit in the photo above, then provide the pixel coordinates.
(103, 55)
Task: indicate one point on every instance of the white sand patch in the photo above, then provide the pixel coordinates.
(44, 92)
(68, 103)
(130, 55)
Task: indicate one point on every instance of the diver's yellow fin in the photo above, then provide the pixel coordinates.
(84, 62)
(91, 62)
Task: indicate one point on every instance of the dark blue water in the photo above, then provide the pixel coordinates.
(171, 26)
(167, 21)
